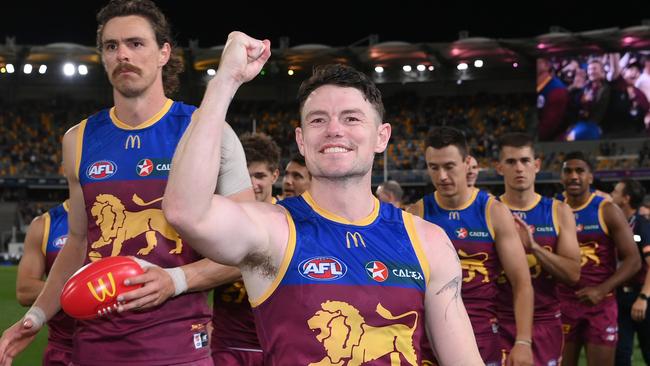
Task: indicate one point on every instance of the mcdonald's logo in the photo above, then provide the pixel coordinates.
(355, 238)
(454, 215)
(133, 141)
(104, 290)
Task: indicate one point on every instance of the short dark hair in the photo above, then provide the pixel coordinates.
(578, 155)
(393, 187)
(299, 159)
(343, 76)
(441, 137)
(161, 28)
(635, 191)
(260, 148)
(516, 139)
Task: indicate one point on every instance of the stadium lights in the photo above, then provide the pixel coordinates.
(515, 65)
(211, 72)
(478, 63)
(82, 69)
(27, 68)
(68, 69)
(379, 69)
(42, 69)
(431, 68)
(421, 68)
(290, 72)
(462, 66)
(407, 68)
(10, 68)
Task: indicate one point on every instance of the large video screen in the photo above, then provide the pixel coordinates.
(593, 96)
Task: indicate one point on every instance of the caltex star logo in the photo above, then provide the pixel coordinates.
(377, 271)
(461, 233)
(144, 167)
(580, 227)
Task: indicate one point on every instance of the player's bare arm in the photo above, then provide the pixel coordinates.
(513, 259)
(628, 254)
(564, 265)
(447, 322)
(31, 269)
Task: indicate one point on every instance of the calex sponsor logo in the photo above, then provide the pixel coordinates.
(60, 241)
(407, 273)
(101, 169)
(461, 233)
(144, 167)
(322, 268)
(544, 229)
(377, 270)
(478, 234)
(155, 167)
(591, 227)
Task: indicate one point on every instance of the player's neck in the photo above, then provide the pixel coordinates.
(628, 211)
(353, 201)
(134, 111)
(520, 199)
(577, 201)
(460, 199)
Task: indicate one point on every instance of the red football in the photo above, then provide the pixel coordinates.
(92, 291)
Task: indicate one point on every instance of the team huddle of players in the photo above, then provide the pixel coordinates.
(326, 274)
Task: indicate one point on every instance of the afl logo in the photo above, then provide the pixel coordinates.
(322, 268)
(461, 233)
(144, 167)
(101, 169)
(60, 241)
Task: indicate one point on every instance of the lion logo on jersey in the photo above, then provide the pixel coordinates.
(118, 225)
(471, 264)
(587, 252)
(346, 336)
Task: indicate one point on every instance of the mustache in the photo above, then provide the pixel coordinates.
(125, 67)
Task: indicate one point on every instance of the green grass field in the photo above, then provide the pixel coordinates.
(11, 312)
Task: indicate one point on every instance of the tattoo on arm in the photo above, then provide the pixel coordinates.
(454, 287)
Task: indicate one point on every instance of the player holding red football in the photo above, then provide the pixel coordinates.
(117, 162)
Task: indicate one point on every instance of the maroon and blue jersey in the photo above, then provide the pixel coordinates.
(347, 293)
(542, 221)
(55, 235)
(597, 249)
(471, 233)
(123, 172)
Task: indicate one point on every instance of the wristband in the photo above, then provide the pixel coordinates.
(37, 316)
(525, 342)
(178, 277)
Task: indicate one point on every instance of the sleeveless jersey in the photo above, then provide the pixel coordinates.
(55, 235)
(347, 292)
(123, 172)
(597, 249)
(470, 231)
(541, 218)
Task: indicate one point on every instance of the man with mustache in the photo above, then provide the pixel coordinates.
(117, 162)
(589, 311)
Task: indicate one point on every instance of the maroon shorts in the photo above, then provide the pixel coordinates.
(202, 362)
(597, 324)
(237, 356)
(488, 347)
(547, 340)
(56, 356)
